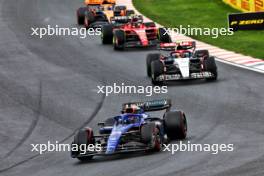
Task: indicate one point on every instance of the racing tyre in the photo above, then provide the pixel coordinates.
(130, 12)
(149, 60)
(210, 66)
(88, 19)
(107, 34)
(119, 40)
(175, 124)
(80, 15)
(156, 71)
(163, 36)
(84, 136)
(150, 135)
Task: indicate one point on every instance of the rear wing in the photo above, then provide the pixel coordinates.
(154, 105)
(120, 19)
(177, 46)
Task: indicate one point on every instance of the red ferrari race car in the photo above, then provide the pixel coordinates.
(183, 62)
(134, 33)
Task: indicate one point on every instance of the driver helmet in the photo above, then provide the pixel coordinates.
(136, 20)
(132, 109)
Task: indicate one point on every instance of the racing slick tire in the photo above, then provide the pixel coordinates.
(163, 36)
(156, 71)
(150, 58)
(210, 66)
(130, 12)
(107, 34)
(83, 136)
(175, 124)
(88, 19)
(80, 15)
(119, 40)
(150, 135)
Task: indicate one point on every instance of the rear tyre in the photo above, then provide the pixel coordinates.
(175, 124)
(163, 36)
(156, 71)
(119, 40)
(150, 58)
(107, 34)
(150, 135)
(83, 138)
(210, 66)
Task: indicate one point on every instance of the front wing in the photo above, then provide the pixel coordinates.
(171, 77)
(122, 149)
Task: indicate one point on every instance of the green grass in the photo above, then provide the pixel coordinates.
(203, 14)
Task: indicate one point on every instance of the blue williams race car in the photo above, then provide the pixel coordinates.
(133, 130)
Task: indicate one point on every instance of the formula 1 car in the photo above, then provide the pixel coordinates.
(183, 62)
(133, 130)
(99, 12)
(134, 33)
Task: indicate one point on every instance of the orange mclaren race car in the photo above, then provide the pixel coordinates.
(99, 12)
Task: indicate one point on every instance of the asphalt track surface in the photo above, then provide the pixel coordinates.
(48, 91)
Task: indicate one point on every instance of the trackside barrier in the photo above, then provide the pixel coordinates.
(246, 5)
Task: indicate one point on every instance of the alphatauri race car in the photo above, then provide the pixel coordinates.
(99, 12)
(183, 62)
(133, 130)
(134, 33)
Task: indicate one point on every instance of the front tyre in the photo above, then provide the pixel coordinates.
(156, 71)
(175, 124)
(210, 66)
(119, 40)
(82, 139)
(150, 58)
(80, 15)
(107, 34)
(88, 19)
(150, 135)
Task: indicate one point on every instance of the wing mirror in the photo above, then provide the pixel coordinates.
(102, 124)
